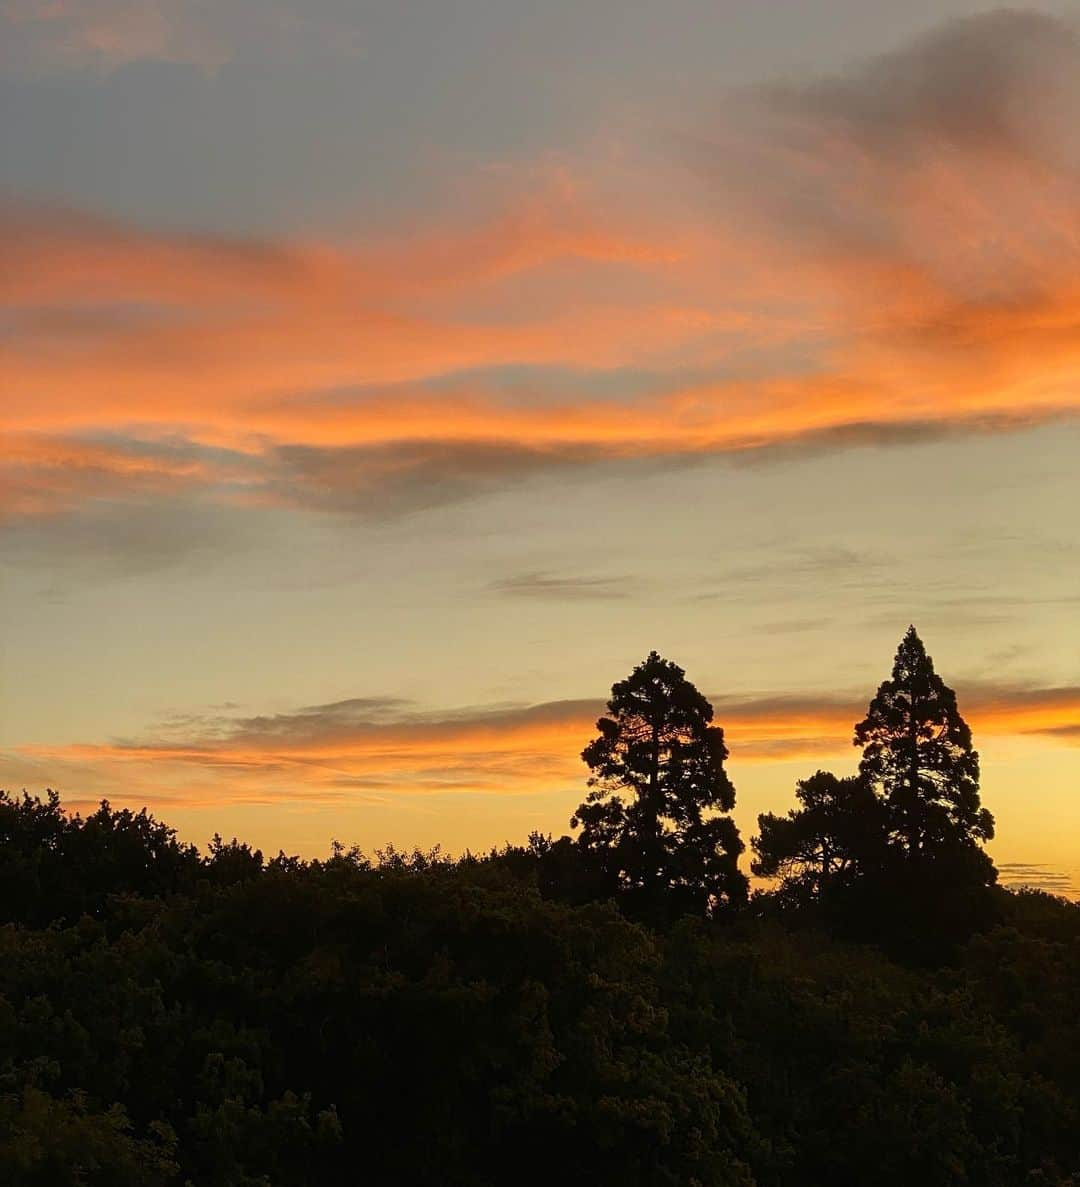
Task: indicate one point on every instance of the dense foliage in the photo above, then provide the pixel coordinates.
(835, 833)
(598, 1010)
(438, 1022)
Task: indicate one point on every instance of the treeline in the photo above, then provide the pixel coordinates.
(612, 1007)
(893, 854)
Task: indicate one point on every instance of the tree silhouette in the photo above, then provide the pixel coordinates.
(917, 754)
(465, 1023)
(59, 866)
(655, 816)
(835, 834)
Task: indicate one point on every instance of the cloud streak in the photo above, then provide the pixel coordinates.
(392, 748)
(1036, 876)
(550, 586)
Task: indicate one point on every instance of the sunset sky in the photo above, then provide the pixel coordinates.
(381, 381)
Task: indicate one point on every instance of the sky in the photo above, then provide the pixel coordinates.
(381, 382)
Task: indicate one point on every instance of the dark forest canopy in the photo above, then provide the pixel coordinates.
(605, 1008)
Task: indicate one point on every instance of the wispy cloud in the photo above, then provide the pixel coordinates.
(565, 588)
(394, 748)
(44, 475)
(394, 478)
(1023, 875)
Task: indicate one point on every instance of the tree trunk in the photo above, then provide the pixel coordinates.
(652, 816)
(913, 830)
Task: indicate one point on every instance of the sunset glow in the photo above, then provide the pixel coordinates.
(345, 469)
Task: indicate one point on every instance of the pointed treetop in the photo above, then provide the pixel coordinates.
(911, 638)
(912, 657)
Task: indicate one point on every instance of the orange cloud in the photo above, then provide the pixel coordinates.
(890, 253)
(47, 475)
(368, 750)
(259, 349)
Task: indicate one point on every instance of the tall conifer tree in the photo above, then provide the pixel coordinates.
(656, 814)
(917, 753)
